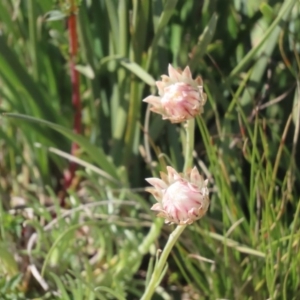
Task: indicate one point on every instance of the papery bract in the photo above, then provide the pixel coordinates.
(181, 97)
(182, 199)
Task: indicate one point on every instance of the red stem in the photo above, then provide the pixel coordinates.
(75, 81)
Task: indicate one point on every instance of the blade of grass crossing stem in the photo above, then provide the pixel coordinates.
(131, 66)
(138, 71)
(95, 153)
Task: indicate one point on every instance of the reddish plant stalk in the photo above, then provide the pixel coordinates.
(75, 81)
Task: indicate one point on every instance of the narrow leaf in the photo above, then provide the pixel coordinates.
(203, 42)
(96, 154)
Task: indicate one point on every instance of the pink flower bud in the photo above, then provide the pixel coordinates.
(181, 97)
(181, 199)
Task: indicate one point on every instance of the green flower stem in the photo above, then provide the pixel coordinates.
(160, 265)
(189, 144)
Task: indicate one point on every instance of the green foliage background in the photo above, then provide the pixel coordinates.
(100, 245)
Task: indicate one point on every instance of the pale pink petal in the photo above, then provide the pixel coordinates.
(182, 200)
(195, 176)
(154, 100)
(157, 183)
(165, 79)
(157, 194)
(181, 97)
(205, 192)
(156, 207)
(172, 174)
(199, 81)
(187, 72)
(173, 73)
(160, 84)
(162, 214)
(157, 110)
(164, 177)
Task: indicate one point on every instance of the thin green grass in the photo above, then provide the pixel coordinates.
(101, 244)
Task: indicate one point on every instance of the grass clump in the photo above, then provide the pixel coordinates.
(95, 237)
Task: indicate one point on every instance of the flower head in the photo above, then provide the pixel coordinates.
(181, 97)
(182, 199)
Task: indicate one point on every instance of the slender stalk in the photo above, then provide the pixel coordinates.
(189, 144)
(75, 81)
(160, 265)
